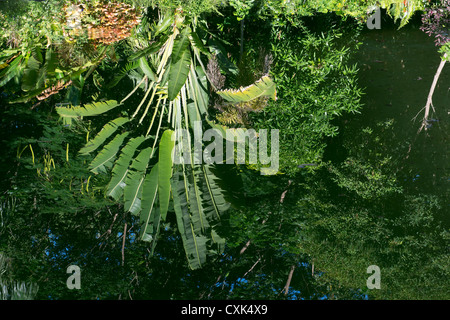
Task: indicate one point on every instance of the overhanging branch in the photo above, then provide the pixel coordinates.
(430, 94)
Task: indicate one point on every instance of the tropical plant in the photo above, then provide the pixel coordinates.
(141, 157)
(57, 46)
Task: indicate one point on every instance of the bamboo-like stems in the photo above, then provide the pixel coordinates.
(148, 104)
(154, 116)
(134, 90)
(157, 131)
(165, 54)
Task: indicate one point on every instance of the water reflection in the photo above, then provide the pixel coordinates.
(397, 68)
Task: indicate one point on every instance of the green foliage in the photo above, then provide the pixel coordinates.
(445, 50)
(193, 7)
(372, 176)
(315, 85)
(328, 222)
(150, 216)
(134, 181)
(178, 84)
(242, 8)
(120, 169)
(176, 79)
(179, 65)
(165, 170)
(262, 88)
(24, 18)
(88, 110)
(10, 290)
(110, 128)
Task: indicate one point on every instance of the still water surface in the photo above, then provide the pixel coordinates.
(397, 68)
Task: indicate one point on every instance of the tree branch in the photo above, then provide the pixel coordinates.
(254, 265)
(288, 282)
(430, 94)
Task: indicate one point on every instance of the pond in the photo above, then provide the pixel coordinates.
(397, 68)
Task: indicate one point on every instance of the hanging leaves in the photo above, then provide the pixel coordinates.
(165, 170)
(144, 175)
(104, 159)
(179, 66)
(121, 167)
(104, 134)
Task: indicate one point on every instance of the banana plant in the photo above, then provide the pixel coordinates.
(138, 147)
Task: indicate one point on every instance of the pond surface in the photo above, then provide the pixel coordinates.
(397, 68)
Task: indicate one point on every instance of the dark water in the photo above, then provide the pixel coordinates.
(397, 68)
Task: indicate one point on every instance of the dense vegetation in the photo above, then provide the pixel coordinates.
(93, 92)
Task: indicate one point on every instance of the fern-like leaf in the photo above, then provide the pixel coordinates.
(88, 110)
(105, 157)
(123, 72)
(107, 130)
(134, 180)
(264, 87)
(121, 167)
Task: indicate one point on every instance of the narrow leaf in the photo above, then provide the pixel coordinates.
(179, 65)
(199, 222)
(149, 198)
(143, 64)
(263, 87)
(165, 170)
(10, 72)
(194, 245)
(153, 48)
(30, 74)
